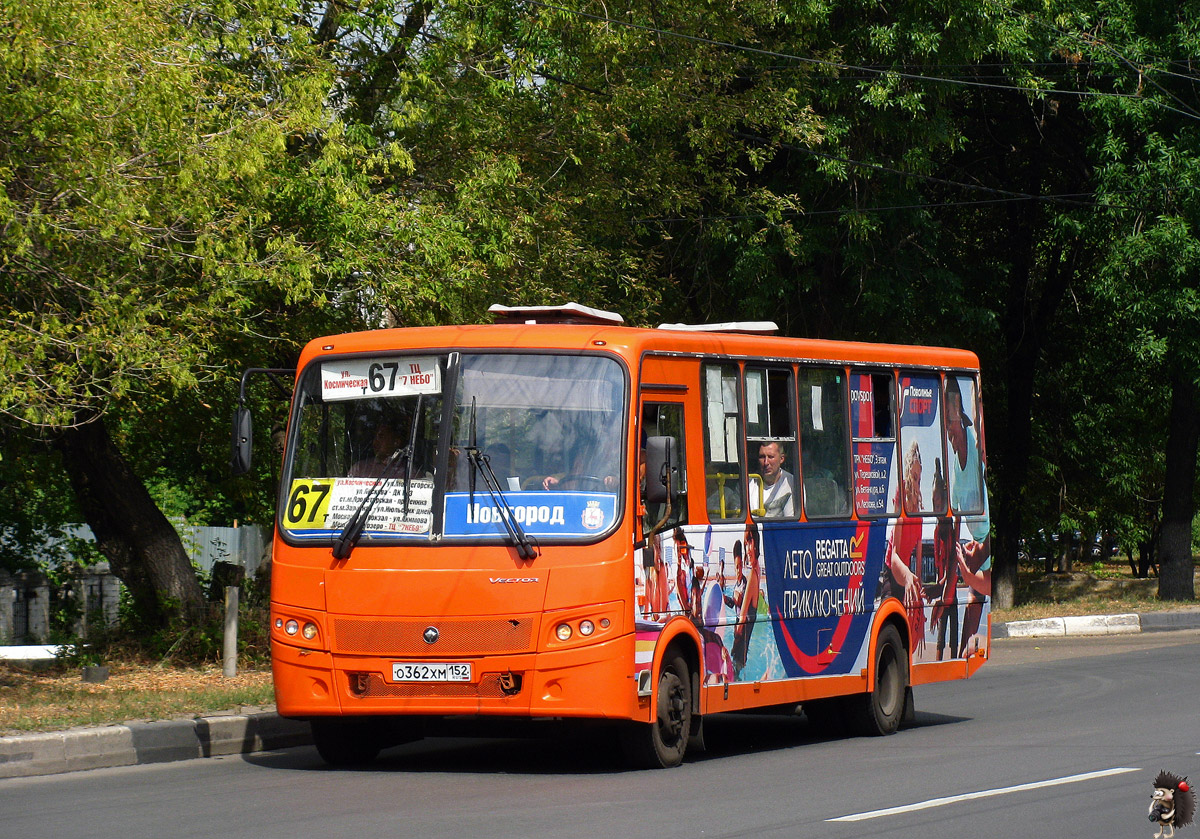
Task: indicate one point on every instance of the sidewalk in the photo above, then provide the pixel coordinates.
(136, 743)
(132, 744)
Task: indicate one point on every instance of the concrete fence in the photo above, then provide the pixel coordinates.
(27, 598)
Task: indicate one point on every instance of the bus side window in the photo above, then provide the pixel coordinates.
(872, 420)
(967, 488)
(825, 442)
(664, 419)
(921, 445)
(723, 470)
(771, 443)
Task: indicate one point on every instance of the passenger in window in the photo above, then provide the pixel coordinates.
(779, 487)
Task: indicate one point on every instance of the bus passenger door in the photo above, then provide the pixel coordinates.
(663, 419)
(657, 520)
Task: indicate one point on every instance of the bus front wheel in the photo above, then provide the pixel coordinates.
(881, 710)
(662, 743)
(346, 742)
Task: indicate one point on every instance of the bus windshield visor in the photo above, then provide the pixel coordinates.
(371, 428)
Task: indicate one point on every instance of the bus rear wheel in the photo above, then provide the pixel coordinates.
(346, 742)
(881, 710)
(662, 743)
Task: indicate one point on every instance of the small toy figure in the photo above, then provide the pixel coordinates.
(1172, 805)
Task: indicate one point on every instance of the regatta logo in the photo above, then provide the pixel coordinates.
(513, 579)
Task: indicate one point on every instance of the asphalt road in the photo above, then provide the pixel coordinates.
(1053, 737)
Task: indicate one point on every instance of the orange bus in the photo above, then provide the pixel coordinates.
(557, 516)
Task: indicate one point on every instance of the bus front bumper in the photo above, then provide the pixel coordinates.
(594, 681)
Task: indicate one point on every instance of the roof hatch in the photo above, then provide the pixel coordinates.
(566, 313)
(746, 327)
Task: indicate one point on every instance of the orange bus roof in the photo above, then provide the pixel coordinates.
(632, 342)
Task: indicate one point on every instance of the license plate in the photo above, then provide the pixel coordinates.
(431, 671)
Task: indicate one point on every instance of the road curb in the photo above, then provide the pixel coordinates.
(147, 742)
(131, 744)
(1082, 625)
(1075, 625)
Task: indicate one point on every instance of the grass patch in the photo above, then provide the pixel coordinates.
(1095, 604)
(58, 698)
(1094, 588)
(172, 673)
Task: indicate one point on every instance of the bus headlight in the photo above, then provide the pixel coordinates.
(309, 631)
(291, 627)
(582, 625)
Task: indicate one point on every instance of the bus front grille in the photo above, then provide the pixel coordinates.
(386, 637)
(373, 686)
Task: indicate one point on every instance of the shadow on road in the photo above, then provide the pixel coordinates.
(565, 749)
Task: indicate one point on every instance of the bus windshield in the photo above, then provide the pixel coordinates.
(370, 439)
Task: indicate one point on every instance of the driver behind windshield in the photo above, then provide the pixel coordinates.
(387, 440)
(591, 470)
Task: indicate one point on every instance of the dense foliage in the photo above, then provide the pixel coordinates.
(192, 188)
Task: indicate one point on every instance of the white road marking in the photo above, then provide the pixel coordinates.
(987, 793)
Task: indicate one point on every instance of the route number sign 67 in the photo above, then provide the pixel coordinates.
(369, 378)
(308, 504)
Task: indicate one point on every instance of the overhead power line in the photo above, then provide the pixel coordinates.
(873, 71)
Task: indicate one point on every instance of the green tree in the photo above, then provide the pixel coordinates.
(135, 236)
(1145, 147)
(780, 161)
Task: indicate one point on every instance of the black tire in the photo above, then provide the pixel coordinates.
(662, 743)
(342, 742)
(881, 710)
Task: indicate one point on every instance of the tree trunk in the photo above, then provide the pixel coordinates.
(1022, 347)
(1175, 570)
(141, 546)
(1026, 322)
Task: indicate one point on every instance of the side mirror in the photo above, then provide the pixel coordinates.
(662, 471)
(243, 441)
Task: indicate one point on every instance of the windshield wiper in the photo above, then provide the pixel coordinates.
(482, 462)
(412, 447)
(353, 531)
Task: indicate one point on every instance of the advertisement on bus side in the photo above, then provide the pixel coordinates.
(781, 600)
